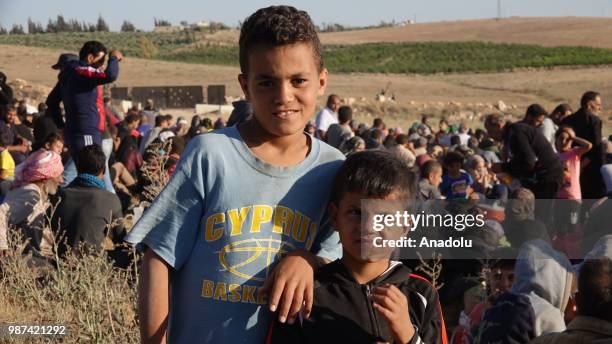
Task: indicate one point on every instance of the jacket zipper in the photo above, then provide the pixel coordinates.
(372, 311)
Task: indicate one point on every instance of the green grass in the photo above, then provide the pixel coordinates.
(419, 58)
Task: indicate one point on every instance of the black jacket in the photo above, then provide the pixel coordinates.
(587, 126)
(343, 313)
(531, 155)
(87, 214)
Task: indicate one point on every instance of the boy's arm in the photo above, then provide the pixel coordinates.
(292, 280)
(153, 298)
(91, 77)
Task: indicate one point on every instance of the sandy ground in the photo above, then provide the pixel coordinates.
(520, 88)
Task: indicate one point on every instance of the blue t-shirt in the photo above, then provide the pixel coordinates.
(222, 222)
(456, 188)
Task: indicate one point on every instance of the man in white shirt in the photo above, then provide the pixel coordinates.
(327, 116)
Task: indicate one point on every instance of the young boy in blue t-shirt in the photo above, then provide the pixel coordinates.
(456, 183)
(240, 224)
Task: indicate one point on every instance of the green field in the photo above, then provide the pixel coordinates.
(419, 58)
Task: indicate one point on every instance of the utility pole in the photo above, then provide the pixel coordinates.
(499, 10)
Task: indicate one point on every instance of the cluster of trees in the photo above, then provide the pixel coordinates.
(60, 24)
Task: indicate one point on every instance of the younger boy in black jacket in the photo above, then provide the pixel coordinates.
(364, 297)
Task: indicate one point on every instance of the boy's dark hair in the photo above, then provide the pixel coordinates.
(92, 47)
(453, 157)
(373, 173)
(52, 138)
(588, 97)
(594, 296)
(455, 140)
(345, 114)
(277, 26)
(535, 110)
(91, 160)
(429, 167)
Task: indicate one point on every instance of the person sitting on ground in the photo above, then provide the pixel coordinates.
(375, 140)
(365, 297)
(520, 224)
(337, 132)
(161, 122)
(543, 283)
(456, 183)
(17, 146)
(403, 151)
(25, 206)
(87, 213)
(431, 178)
(594, 304)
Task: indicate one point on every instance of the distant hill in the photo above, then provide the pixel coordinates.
(444, 47)
(546, 31)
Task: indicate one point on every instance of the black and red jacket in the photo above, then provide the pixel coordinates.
(79, 88)
(343, 312)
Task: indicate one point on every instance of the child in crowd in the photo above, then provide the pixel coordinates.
(456, 183)
(570, 150)
(263, 184)
(367, 298)
(431, 178)
(54, 142)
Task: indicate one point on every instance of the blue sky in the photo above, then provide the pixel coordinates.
(346, 12)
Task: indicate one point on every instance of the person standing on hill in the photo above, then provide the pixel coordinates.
(79, 88)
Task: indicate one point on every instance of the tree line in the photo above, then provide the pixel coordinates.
(60, 24)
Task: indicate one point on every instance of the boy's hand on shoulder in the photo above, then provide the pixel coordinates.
(393, 305)
(291, 285)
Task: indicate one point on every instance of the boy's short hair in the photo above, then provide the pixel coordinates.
(91, 160)
(373, 173)
(277, 26)
(345, 114)
(453, 157)
(92, 47)
(595, 289)
(429, 167)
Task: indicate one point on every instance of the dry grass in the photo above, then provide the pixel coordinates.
(83, 291)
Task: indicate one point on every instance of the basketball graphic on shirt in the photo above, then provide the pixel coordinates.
(251, 259)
